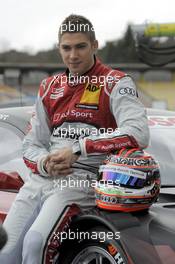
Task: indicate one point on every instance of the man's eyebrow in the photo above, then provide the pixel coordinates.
(77, 44)
(65, 45)
(81, 43)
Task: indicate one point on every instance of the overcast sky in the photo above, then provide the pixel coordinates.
(33, 24)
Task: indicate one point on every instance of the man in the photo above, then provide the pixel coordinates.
(81, 115)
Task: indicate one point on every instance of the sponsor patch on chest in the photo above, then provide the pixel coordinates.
(90, 97)
(57, 92)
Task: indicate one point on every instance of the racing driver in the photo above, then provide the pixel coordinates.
(80, 115)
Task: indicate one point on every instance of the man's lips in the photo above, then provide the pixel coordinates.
(75, 63)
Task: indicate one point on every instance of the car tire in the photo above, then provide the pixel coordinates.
(94, 250)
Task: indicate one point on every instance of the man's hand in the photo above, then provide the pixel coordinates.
(60, 162)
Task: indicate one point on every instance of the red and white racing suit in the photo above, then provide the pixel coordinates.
(95, 114)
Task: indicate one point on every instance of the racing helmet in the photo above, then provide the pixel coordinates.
(129, 180)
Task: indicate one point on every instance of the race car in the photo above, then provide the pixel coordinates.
(146, 237)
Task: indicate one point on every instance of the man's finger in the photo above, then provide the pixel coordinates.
(62, 172)
(57, 158)
(61, 166)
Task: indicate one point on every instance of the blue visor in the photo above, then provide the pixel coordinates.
(123, 179)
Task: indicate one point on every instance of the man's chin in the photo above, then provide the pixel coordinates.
(75, 72)
(75, 68)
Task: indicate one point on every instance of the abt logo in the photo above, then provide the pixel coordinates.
(92, 88)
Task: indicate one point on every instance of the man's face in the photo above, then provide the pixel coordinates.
(77, 52)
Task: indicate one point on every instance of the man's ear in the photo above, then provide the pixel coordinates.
(95, 46)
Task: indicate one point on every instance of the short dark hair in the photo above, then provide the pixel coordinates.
(76, 24)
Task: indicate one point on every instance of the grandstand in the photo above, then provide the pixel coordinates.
(156, 87)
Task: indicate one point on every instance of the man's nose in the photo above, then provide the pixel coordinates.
(73, 54)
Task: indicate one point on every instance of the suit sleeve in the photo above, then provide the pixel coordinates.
(130, 117)
(36, 142)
